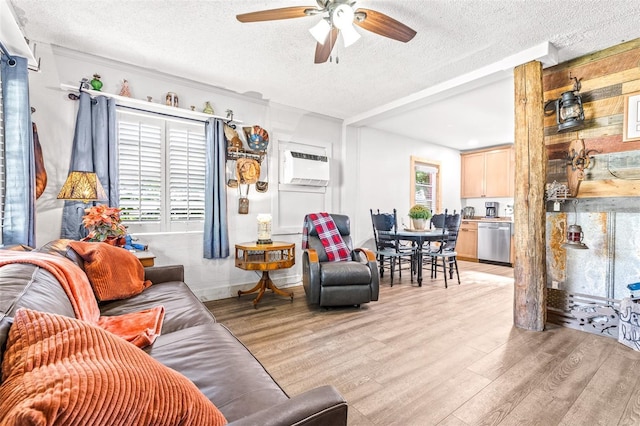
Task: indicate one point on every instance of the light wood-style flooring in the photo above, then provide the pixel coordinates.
(429, 355)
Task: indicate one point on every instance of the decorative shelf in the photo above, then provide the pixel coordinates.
(142, 105)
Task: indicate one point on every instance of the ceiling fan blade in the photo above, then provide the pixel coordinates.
(324, 50)
(384, 25)
(275, 14)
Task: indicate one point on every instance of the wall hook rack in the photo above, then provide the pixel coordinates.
(235, 153)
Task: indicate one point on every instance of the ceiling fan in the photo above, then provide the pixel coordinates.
(338, 16)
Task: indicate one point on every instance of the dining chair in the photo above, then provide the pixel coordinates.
(388, 246)
(436, 222)
(446, 251)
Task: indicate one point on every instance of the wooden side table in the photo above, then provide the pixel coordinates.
(265, 258)
(145, 257)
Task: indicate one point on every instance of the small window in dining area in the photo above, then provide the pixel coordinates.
(425, 183)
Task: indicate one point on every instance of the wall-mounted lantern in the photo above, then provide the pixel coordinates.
(574, 233)
(568, 109)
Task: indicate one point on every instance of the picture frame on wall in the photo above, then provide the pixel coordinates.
(631, 124)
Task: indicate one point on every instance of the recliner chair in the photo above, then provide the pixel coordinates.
(343, 283)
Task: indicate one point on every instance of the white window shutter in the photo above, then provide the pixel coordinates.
(140, 171)
(186, 172)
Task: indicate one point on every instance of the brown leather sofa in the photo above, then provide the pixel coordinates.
(191, 342)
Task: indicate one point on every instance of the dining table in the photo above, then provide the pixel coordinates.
(418, 238)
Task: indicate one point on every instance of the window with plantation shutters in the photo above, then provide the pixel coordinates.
(161, 171)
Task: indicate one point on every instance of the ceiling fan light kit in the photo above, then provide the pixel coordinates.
(320, 31)
(340, 17)
(350, 36)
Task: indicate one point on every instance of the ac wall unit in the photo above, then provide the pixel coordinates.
(300, 168)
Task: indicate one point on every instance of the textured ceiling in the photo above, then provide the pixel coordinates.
(202, 40)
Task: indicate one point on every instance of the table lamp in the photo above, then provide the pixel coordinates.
(82, 186)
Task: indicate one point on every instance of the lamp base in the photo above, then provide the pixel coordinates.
(262, 242)
(575, 245)
(571, 125)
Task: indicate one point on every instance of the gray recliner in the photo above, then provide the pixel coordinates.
(343, 283)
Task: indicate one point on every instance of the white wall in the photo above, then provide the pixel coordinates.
(377, 176)
(210, 279)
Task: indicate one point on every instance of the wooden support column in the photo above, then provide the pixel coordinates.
(530, 271)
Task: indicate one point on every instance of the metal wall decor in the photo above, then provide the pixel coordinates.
(578, 160)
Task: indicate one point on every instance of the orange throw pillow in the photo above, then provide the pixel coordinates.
(63, 371)
(114, 273)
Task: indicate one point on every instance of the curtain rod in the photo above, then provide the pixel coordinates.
(146, 106)
(12, 61)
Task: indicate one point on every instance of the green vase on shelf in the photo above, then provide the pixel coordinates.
(208, 109)
(96, 84)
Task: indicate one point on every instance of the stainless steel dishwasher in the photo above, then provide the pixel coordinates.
(494, 242)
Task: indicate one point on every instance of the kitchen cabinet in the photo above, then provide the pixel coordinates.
(467, 244)
(487, 173)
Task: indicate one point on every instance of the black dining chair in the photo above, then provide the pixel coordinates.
(436, 222)
(446, 249)
(389, 248)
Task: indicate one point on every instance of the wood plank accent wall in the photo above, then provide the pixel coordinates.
(609, 196)
(606, 77)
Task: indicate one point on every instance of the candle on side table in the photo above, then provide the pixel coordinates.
(264, 229)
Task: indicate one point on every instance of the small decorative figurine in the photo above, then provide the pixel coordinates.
(172, 99)
(96, 84)
(149, 98)
(193, 107)
(208, 109)
(125, 89)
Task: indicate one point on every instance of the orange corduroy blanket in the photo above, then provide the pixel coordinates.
(140, 328)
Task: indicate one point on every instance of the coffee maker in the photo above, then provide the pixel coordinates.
(492, 208)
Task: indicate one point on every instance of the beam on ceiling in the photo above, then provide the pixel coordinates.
(546, 53)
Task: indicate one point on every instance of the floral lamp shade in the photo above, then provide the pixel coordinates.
(82, 186)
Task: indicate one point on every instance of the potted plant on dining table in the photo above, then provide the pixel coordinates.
(419, 215)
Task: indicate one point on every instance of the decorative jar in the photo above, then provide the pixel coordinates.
(96, 83)
(264, 229)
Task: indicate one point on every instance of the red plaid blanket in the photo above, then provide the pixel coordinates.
(331, 239)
